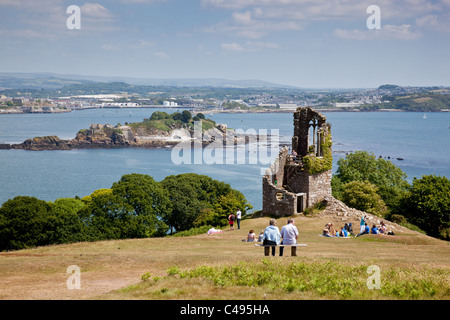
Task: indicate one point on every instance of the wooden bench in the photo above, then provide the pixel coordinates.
(293, 248)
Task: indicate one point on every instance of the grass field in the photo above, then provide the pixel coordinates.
(222, 266)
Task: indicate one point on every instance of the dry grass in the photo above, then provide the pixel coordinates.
(113, 269)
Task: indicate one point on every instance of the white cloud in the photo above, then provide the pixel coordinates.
(402, 32)
(435, 22)
(258, 18)
(249, 25)
(249, 46)
(161, 55)
(145, 44)
(95, 10)
(232, 47)
(110, 46)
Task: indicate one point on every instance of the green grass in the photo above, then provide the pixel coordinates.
(296, 280)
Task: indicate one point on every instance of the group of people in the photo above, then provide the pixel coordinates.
(347, 230)
(272, 236)
(330, 231)
(366, 229)
(232, 218)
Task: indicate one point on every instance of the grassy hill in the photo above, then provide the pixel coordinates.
(222, 266)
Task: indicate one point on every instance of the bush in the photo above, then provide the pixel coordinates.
(364, 166)
(363, 196)
(198, 200)
(427, 205)
(25, 222)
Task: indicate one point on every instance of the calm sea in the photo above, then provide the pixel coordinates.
(423, 144)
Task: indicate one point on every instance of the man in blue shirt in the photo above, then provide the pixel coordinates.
(272, 235)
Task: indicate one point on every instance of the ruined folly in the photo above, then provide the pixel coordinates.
(301, 175)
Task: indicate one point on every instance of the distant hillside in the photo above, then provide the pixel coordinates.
(53, 80)
(35, 81)
(415, 102)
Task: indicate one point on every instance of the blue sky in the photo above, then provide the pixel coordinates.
(305, 43)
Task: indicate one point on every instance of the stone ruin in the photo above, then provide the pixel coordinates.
(301, 177)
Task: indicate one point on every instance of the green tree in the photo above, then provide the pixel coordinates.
(186, 116)
(88, 199)
(134, 207)
(197, 199)
(177, 116)
(25, 222)
(200, 115)
(103, 218)
(427, 205)
(364, 166)
(158, 115)
(146, 202)
(363, 196)
(68, 226)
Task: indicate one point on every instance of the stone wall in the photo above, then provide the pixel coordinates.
(277, 200)
(319, 187)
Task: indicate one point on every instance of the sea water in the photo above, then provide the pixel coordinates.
(422, 144)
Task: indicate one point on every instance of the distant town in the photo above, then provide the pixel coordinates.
(81, 96)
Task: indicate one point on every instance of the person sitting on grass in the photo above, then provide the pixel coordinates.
(251, 237)
(260, 237)
(374, 229)
(366, 230)
(382, 228)
(327, 230)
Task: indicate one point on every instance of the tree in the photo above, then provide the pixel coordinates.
(158, 115)
(363, 196)
(146, 201)
(88, 199)
(364, 166)
(177, 116)
(68, 227)
(196, 200)
(186, 116)
(427, 205)
(24, 222)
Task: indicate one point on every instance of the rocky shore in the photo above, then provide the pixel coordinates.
(107, 136)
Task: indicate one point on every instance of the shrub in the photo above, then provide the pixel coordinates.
(363, 196)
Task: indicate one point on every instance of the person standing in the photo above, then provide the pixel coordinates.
(231, 219)
(238, 218)
(289, 233)
(272, 235)
(362, 224)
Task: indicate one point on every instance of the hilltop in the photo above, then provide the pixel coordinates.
(148, 268)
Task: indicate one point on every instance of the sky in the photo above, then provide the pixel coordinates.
(303, 43)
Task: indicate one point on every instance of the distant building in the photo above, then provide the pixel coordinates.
(288, 106)
(170, 104)
(268, 105)
(347, 104)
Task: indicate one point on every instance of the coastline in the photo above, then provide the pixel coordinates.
(214, 110)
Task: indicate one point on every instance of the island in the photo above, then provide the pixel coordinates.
(160, 130)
